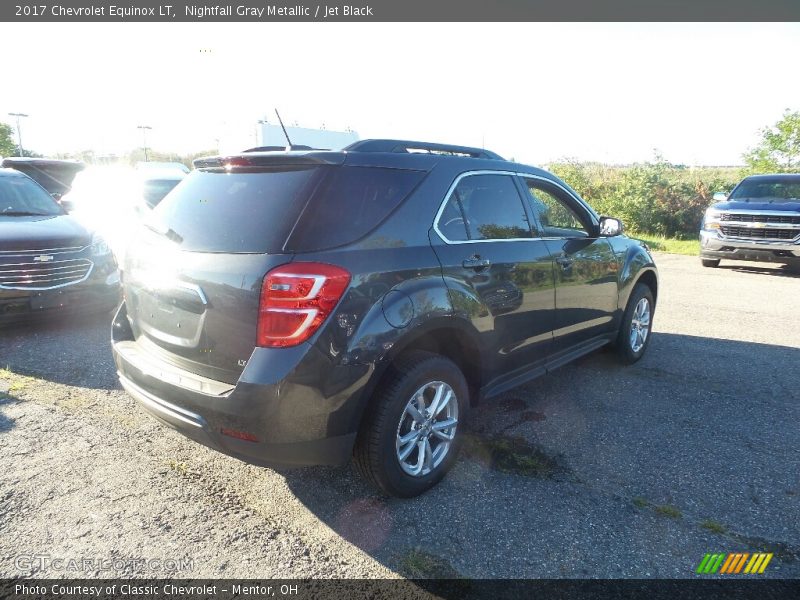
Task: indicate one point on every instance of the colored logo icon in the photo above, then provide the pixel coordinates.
(734, 563)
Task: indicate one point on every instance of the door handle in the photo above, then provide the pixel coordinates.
(476, 262)
(565, 262)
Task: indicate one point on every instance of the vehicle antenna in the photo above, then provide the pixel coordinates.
(289, 147)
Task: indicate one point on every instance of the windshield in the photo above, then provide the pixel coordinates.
(768, 190)
(20, 196)
(155, 190)
(163, 165)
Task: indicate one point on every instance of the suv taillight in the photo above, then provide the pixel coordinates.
(296, 299)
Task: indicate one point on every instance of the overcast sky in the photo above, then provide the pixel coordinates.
(537, 92)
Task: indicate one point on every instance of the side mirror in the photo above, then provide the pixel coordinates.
(610, 227)
(66, 204)
(720, 196)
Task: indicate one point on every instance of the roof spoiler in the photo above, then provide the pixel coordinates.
(406, 146)
(268, 159)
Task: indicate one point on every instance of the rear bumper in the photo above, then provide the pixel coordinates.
(290, 406)
(332, 450)
(713, 246)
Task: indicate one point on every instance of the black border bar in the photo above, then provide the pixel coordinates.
(732, 588)
(172, 11)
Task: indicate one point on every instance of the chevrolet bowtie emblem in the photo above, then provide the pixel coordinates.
(43, 258)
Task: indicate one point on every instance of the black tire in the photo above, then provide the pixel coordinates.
(375, 452)
(710, 262)
(624, 345)
(793, 268)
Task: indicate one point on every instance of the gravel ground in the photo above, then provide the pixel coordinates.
(596, 470)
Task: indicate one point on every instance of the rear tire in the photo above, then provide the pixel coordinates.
(398, 435)
(636, 328)
(710, 262)
(793, 268)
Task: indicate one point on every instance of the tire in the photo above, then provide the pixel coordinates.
(631, 349)
(378, 448)
(793, 268)
(710, 262)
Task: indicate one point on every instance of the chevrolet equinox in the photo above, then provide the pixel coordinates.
(300, 308)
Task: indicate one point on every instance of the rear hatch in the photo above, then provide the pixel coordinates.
(55, 176)
(193, 276)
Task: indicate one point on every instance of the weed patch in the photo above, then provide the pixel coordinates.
(668, 510)
(419, 564)
(511, 455)
(713, 526)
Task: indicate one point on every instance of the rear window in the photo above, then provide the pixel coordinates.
(255, 212)
(234, 212)
(349, 203)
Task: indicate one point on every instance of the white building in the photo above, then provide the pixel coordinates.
(322, 139)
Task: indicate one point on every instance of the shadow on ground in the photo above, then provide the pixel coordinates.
(71, 350)
(754, 269)
(7, 399)
(695, 446)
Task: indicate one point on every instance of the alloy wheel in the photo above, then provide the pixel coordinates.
(427, 428)
(640, 325)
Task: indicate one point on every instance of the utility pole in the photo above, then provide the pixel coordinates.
(19, 130)
(144, 129)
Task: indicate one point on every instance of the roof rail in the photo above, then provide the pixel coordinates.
(410, 147)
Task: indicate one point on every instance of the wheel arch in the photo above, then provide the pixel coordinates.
(448, 337)
(650, 279)
(637, 266)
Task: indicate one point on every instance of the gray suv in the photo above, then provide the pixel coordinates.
(300, 308)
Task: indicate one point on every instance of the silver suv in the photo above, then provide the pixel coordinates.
(760, 220)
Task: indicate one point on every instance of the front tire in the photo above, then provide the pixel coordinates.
(410, 436)
(710, 262)
(635, 331)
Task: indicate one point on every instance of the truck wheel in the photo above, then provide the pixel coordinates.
(635, 330)
(411, 434)
(710, 262)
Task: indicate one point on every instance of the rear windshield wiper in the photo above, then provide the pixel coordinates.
(25, 213)
(168, 233)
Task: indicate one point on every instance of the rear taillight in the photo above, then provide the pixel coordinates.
(296, 299)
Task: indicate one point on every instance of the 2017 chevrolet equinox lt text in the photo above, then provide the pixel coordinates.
(300, 308)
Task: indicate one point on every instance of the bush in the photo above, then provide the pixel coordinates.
(655, 197)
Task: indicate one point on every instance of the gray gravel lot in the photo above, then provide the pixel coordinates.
(597, 470)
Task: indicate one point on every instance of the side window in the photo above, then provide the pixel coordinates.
(556, 217)
(484, 207)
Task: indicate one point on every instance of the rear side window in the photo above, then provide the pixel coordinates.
(250, 212)
(484, 207)
(349, 203)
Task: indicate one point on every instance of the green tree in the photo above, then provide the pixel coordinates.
(7, 145)
(779, 148)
